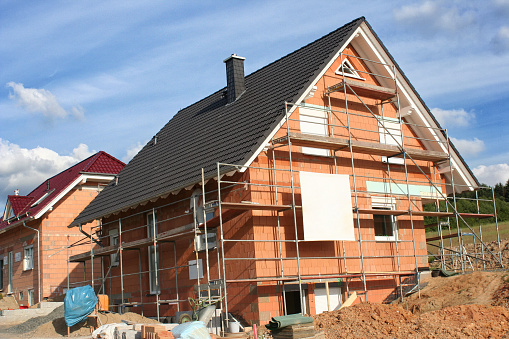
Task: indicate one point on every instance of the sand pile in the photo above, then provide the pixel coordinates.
(53, 324)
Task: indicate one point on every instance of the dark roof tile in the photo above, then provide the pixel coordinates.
(211, 131)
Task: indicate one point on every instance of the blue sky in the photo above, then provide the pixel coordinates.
(79, 77)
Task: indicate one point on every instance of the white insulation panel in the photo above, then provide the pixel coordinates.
(326, 207)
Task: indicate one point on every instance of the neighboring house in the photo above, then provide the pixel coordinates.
(286, 191)
(34, 239)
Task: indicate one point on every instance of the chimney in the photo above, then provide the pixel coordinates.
(16, 192)
(234, 77)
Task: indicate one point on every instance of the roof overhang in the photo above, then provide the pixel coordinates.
(80, 180)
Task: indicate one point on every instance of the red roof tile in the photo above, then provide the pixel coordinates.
(100, 162)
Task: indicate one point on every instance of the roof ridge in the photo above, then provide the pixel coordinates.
(307, 45)
(362, 18)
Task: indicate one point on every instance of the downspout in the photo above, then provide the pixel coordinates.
(89, 236)
(38, 260)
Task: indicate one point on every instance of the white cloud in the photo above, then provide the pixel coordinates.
(469, 147)
(433, 16)
(457, 117)
(25, 169)
(500, 42)
(131, 152)
(42, 101)
(492, 174)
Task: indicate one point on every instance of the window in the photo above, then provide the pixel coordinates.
(153, 254)
(20, 295)
(196, 205)
(391, 135)
(113, 233)
(195, 271)
(348, 70)
(211, 241)
(314, 121)
(384, 223)
(31, 300)
(28, 259)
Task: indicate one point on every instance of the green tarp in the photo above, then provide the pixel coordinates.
(287, 320)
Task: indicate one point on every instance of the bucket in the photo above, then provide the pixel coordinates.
(103, 302)
(234, 327)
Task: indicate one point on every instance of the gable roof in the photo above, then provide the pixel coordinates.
(45, 194)
(212, 131)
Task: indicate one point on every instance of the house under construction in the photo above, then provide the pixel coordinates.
(286, 192)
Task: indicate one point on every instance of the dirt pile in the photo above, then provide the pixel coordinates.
(484, 288)
(8, 303)
(368, 320)
(462, 306)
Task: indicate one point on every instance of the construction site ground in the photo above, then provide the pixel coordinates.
(470, 305)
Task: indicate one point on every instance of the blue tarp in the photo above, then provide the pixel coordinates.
(79, 302)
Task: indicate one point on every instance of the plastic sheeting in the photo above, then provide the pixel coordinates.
(191, 330)
(79, 302)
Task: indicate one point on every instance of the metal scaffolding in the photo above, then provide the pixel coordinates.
(225, 196)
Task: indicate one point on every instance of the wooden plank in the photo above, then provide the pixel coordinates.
(475, 215)
(447, 236)
(363, 147)
(432, 214)
(364, 89)
(253, 206)
(381, 212)
(351, 299)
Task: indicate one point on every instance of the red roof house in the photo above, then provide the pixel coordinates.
(34, 239)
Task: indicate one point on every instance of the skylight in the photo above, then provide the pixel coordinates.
(348, 70)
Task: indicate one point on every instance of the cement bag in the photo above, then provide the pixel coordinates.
(78, 303)
(191, 330)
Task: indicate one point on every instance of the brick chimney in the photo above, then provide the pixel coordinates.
(234, 77)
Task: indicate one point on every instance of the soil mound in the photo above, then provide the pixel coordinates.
(368, 320)
(482, 288)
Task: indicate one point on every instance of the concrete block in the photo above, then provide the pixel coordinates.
(123, 333)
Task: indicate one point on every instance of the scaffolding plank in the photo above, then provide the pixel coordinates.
(447, 236)
(433, 214)
(254, 206)
(227, 215)
(475, 215)
(381, 211)
(363, 147)
(364, 89)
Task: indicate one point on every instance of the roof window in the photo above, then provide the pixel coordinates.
(348, 70)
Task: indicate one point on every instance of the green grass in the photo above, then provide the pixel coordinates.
(489, 233)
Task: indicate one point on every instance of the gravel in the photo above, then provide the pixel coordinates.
(33, 323)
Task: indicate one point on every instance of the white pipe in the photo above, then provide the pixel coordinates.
(39, 288)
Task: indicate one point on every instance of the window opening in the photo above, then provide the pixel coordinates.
(391, 135)
(314, 121)
(384, 225)
(348, 70)
(31, 297)
(196, 201)
(28, 258)
(114, 240)
(153, 255)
